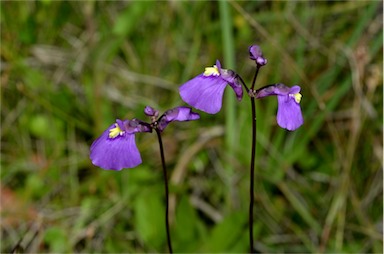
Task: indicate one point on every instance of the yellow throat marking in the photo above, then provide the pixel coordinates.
(211, 71)
(297, 97)
(114, 132)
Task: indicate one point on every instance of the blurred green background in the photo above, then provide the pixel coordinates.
(69, 69)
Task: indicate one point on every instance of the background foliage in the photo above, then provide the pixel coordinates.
(69, 69)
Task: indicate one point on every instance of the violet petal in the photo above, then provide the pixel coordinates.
(275, 89)
(289, 114)
(115, 153)
(204, 93)
(231, 78)
(177, 114)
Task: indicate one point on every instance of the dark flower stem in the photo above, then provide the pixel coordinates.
(252, 169)
(254, 77)
(252, 174)
(242, 81)
(166, 189)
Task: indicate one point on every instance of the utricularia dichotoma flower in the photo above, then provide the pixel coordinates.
(288, 110)
(116, 148)
(289, 114)
(205, 92)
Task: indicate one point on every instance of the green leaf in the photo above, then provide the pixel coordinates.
(186, 235)
(226, 234)
(149, 218)
(56, 239)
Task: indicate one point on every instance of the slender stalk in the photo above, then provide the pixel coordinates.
(252, 169)
(166, 189)
(242, 82)
(254, 77)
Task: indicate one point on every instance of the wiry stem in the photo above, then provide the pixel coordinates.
(166, 189)
(242, 82)
(255, 76)
(253, 155)
(252, 174)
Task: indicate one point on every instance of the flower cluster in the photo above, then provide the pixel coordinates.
(116, 148)
(205, 92)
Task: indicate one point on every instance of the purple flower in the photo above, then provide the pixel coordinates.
(116, 148)
(205, 92)
(288, 112)
(256, 54)
(177, 114)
